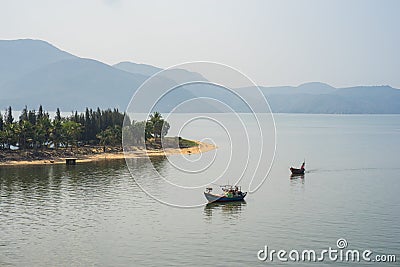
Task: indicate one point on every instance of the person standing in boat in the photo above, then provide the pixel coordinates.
(303, 165)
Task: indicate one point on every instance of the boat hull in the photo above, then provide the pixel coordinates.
(220, 198)
(297, 171)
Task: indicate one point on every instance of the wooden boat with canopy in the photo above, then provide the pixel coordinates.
(229, 193)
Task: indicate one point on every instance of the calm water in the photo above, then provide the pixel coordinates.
(96, 214)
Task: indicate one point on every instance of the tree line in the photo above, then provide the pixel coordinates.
(36, 130)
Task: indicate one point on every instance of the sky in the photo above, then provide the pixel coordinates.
(342, 43)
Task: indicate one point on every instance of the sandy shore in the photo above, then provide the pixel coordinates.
(200, 148)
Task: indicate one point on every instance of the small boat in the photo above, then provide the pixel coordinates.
(230, 193)
(299, 171)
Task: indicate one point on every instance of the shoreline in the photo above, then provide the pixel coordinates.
(106, 156)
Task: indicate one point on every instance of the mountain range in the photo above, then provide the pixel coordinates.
(34, 72)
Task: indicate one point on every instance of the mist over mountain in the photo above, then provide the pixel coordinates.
(34, 72)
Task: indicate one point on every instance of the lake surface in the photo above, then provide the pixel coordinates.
(97, 214)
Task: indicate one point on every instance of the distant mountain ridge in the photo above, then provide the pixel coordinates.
(19, 57)
(325, 99)
(34, 72)
(174, 74)
(132, 67)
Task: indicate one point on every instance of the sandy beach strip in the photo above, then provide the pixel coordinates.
(200, 148)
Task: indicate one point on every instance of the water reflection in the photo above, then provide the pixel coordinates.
(229, 210)
(27, 180)
(159, 163)
(297, 179)
(297, 176)
(45, 180)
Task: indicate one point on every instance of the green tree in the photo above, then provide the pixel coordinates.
(110, 136)
(56, 133)
(139, 132)
(9, 116)
(157, 127)
(155, 117)
(1, 122)
(26, 134)
(24, 114)
(37, 130)
(11, 133)
(71, 131)
(40, 112)
(2, 140)
(58, 115)
(161, 128)
(42, 130)
(32, 117)
(10, 130)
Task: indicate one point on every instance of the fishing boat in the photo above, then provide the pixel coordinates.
(299, 171)
(229, 194)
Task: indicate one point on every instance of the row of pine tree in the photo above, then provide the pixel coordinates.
(36, 130)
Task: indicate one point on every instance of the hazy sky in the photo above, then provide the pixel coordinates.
(342, 43)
